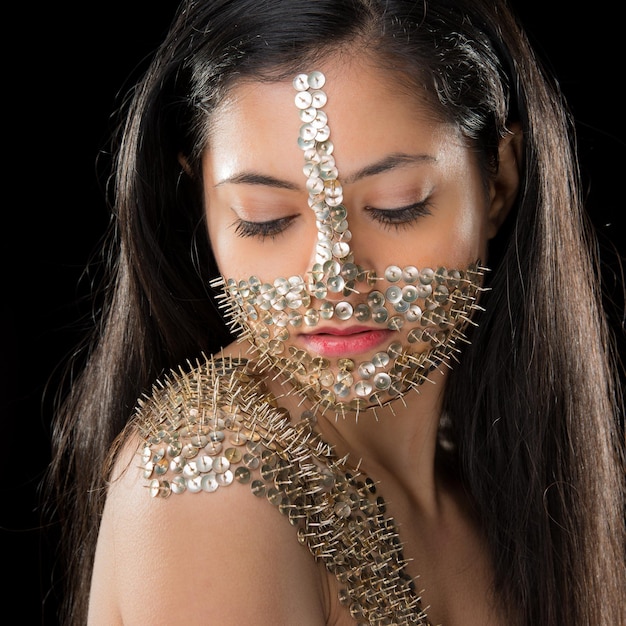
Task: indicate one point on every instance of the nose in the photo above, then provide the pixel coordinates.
(334, 270)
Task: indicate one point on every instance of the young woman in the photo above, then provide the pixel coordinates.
(353, 365)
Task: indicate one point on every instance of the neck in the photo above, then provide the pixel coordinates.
(397, 441)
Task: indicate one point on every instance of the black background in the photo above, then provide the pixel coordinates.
(64, 71)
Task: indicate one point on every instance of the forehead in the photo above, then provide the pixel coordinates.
(368, 108)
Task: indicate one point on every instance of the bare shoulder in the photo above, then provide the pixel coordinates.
(186, 535)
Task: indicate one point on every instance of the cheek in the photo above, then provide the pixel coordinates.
(286, 255)
(229, 249)
(217, 240)
(463, 231)
(461, 225)
(234, 255)
(454, 239)
(467, 235)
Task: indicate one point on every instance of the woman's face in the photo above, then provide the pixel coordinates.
(332, 244)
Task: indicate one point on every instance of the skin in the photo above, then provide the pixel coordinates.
(227, 557)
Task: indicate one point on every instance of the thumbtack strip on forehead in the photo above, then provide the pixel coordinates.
(432, 307)
(325, 190)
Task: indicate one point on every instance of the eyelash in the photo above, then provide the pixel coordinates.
(262, 230)
(401, 217)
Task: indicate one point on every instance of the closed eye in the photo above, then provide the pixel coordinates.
(262, 230)
(401, 216)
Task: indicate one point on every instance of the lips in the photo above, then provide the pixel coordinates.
(333, 342)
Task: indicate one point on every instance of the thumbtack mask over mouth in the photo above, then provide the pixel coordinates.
(428, 307)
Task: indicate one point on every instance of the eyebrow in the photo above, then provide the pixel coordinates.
(387, 163)
(390, 162)
(254, 178)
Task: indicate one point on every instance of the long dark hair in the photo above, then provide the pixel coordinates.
(534, 401)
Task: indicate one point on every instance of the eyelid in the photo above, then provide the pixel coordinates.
(397, 217)
(262, 230)
(401, 216)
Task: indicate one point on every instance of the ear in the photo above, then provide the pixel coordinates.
(184, 163)
(504, 186)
